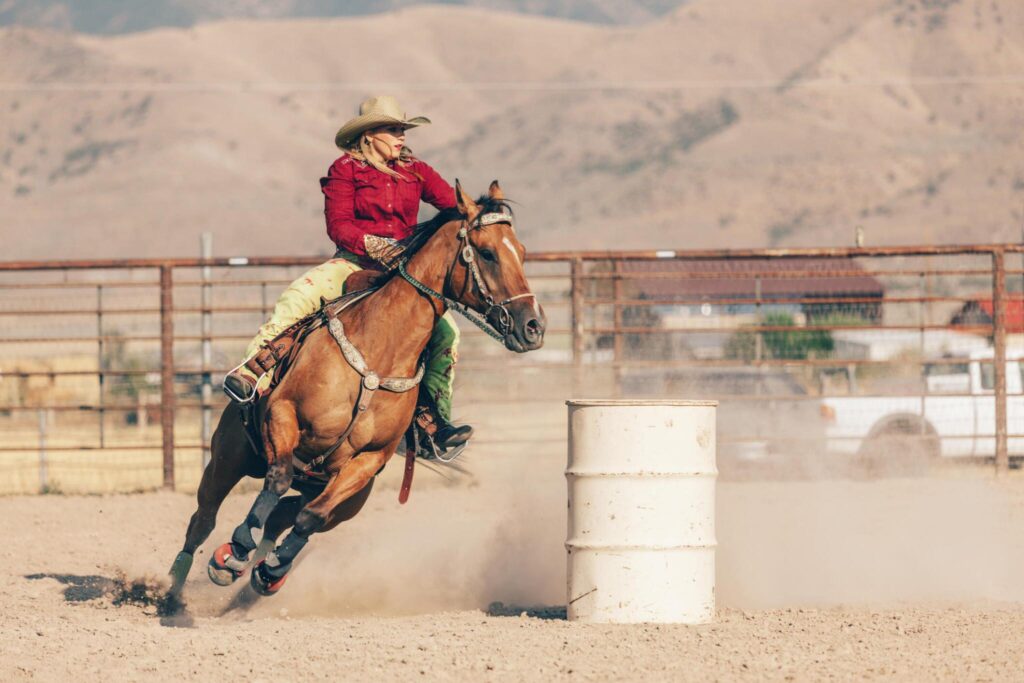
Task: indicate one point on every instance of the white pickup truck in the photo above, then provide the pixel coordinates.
(954, 417)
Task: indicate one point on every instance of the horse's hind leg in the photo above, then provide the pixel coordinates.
(281, 436)
(344, 496)
(230, 452)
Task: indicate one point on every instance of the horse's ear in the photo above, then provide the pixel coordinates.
(467, 207)
(495, 191)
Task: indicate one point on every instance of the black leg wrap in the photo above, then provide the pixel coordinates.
(285, 554)
(261, 509)
(242, 542)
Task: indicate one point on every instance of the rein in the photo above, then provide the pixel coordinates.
(468, 252)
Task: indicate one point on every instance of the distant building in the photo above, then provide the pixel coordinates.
(815, 287)
(727, 294)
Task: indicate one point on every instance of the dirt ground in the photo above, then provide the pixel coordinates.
(897, 580)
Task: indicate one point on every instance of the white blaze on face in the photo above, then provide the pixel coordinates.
(507, 243)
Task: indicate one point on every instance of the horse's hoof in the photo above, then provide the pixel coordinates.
(263, 583)
(224, 568)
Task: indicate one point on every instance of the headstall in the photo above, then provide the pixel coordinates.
(503, 325)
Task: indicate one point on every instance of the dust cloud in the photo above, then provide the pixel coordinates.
(819, 543)
(499, 538)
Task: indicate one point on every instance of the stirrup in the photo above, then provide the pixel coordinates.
(427, 422)
(430, 450)
(445, 456)
(241, 400)
(426, 449)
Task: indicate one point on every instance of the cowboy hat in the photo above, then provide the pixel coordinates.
(374, 113)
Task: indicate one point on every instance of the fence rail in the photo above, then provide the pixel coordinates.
(146, 340)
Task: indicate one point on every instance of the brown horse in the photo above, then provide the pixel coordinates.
(470, 255)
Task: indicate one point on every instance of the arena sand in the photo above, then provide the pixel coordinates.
(892, 580)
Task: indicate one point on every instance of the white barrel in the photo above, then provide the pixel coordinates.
(641, 538)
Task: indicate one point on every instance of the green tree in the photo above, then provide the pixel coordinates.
(781, 344)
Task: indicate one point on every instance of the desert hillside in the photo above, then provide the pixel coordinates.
(118, 16)
(725, 123)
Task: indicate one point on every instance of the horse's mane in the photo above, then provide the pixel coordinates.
(422, 232)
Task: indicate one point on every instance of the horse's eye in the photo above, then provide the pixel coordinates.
(488, 255)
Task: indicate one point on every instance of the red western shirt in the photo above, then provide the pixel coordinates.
(359, 200)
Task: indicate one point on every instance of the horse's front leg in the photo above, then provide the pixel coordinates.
(343, 497)
(280, 436)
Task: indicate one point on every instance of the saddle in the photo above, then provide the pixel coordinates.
(278, 354)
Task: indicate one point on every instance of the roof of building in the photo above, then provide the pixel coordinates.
(779, 278)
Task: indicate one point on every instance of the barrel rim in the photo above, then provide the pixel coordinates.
(707, 547)
(642, 474)
(586, 402)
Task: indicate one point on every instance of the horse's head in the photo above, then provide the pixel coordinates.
(488, 276)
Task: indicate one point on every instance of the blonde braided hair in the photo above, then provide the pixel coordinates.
(362, 150)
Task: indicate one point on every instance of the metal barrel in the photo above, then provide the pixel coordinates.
(641, 532)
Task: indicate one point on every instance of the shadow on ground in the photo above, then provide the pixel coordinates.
(80, 588)
(147, 593)
(500, 609)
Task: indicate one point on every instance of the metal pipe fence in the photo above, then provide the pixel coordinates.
(816, 353)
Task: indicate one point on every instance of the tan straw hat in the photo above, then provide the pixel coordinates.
(373, 113)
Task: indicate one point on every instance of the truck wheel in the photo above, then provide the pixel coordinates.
(899, 450)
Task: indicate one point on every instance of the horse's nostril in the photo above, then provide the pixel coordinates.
(533, 329)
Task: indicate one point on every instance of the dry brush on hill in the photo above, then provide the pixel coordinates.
(724, 123)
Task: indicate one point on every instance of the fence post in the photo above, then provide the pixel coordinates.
(576, 275)
(167, 372)
(617, 317)
(44, 478)
(100, 364)
(922, 375)
(999, 356)
(206, 249)
(759, 338)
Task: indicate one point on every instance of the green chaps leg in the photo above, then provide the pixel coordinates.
(441, 356)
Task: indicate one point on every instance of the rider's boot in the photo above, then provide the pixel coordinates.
(444, 434)
(449, 436)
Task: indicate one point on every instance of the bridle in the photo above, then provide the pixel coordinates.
(503, 319)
